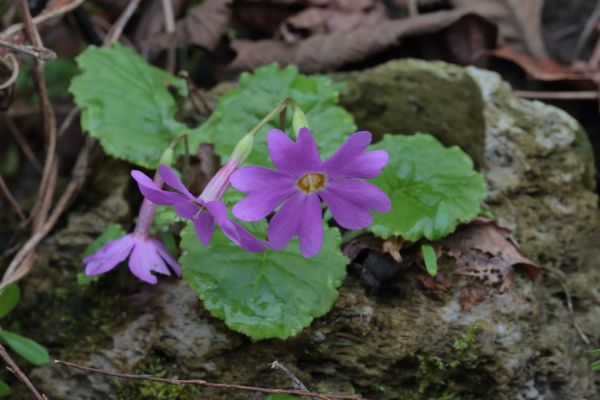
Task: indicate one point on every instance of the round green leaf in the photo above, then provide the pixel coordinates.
(238, 111)
(432, 188)
(263, 295)
(9, 298)
(125, 104)
(4, 389)
(26, 348)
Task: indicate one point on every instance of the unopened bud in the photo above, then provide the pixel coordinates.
(242, 150)
(167, 156)
(298, 120)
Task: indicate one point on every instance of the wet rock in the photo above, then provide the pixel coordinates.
(401, 342)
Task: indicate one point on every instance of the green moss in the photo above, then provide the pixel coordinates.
(146, 390)
(409, 96)
(438, 377)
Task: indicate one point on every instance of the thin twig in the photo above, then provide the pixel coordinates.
(203, 383)
(562, 280)
(117, 29)
(566, 95)
(413, 7)
(22, 143)
(297, 383)
(41, 53)
(14, 368)
(6, 191)
(167, 6)
(42, 18)
(587, 31)
(11, 63)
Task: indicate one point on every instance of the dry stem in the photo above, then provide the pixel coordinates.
(14, 368)
(200, 382)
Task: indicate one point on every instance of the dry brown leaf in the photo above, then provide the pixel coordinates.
(544, 69)
(315, 21)
(519, 21)
(485, 250)
(204, 25)
(392, 246)
(365, 242)
(327, 52)
(471, 295)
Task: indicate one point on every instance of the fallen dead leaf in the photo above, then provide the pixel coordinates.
(543, 69)
(364, 242)
(485, 250)
(520, 22)
(440, 283)
(327, 52)
(204, 25)
(470, 295)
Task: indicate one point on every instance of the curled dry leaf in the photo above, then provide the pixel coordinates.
(325, 52)
(364, 242)
(543, 69)
(519, 21)
(392, 246)
(485, 250)
(337, 17)
(204, 25)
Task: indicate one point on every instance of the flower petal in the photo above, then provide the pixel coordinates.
(234, 231)
(352, 161)
(350, 200)
(257, 205)
(258, 179)
(109, 255)
(286, 222)
(205, 227)
(311, 226)
(171, 179)
(166, 256)
(294, 158)
(144, 259)
(152, 192)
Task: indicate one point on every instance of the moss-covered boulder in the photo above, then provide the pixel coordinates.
(403, 341)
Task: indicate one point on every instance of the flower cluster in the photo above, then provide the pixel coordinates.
(296, 190)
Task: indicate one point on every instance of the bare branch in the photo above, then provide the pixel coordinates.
(41, 53)
(6, 191)
(14, 368)
(42, 18)
(11, 63)
(200, 382)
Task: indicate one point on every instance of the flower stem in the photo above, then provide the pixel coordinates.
(280, 108)
(147, 211)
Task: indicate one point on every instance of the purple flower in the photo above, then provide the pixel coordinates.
(205, 210)
(302, 180)
(147, 255)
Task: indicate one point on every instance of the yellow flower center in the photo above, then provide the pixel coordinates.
(311, 182)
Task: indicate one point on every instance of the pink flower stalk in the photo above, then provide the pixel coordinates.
(301, 180)
(205, 210)
(147, 254)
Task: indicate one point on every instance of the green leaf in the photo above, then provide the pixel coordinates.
(126, 105)
(4, 389)
(283, 397)
(264, 295)
(26, 348)
(430, 259)
(238, 111)
(9, 298)
(432, 188)
(112, 232)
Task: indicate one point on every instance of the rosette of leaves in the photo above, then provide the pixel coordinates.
(126, 104)
(274, 294)
(238, 111)
(26, 348)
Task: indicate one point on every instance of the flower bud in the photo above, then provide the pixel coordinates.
(298, 120)
(242, 150)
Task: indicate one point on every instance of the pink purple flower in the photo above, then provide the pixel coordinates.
(205, 210)
(146, 254)
(301, 180)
